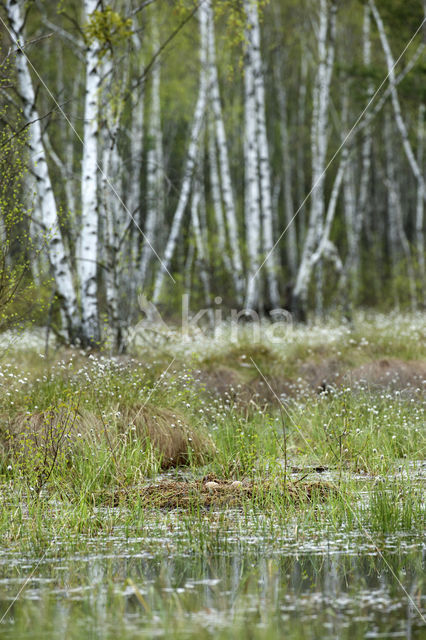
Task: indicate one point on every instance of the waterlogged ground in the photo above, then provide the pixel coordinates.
(254, 580)
(313, 444)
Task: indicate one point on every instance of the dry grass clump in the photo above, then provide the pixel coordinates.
(62, 432)
(167, 431)
(52, 430)
(216, 492)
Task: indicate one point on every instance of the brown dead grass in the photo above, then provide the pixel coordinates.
(45, 429)
(312, 376)
(226, 383)
(169, 433)
(164, 430)
(389, 374)
(215, 492)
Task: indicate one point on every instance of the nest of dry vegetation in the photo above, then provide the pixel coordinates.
(216, 492)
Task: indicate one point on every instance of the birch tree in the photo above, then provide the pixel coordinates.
(395, 99)
(261, 141)
(319, 135)
(48, 220)
(291, 236)
(154, 166)
(420, 245)
(88, 242)
(191, 158)
(352, 266)
(251, 175)
(224, 168)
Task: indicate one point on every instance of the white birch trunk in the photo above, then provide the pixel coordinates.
(191, 158)
(200, 239)
(321, 99)
(134, 240)
(349, 194)
(88, 255)
(420, 241)
(58, 258)
(325, 244)
(397, 237)
(217, 199)
(353, 262)
(395, 100)
(225, 173)
(253, 43)
(251, 176)
(300, 172)
(154, 168)
(110, 209)
(291, 236)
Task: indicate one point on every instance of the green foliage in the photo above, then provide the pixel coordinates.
(108, 29)
(15, 243)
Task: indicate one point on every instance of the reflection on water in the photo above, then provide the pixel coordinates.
(319, 586)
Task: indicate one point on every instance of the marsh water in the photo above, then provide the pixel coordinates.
(235, 575)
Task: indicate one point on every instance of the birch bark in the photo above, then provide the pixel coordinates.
(291, 237)
(87, 260)
(395, 99)
(253, 43)
(190, 159)
(354, 261)
(321, 98)
(217, 199)
(58, 256)
(154, 166)
(397, 237)
(111, 215)
(225, 172)
(420, 241)
(252, 194)
(200, 239)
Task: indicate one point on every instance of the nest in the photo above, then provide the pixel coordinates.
(214, 492)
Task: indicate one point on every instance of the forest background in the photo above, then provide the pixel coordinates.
(257, 155)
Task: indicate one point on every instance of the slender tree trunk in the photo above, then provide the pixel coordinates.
(58, 257)
(134, 240)
(253, 43)
(154, 167)
(300, 170)
(395, 100)
(225, 173)
(87, 260)
(252, 195)
(420, 243)
(291, 237)
(349, 191)
(217, 199)
(353, 267)
(397, 237)
(200, 239)
(190, 159)
(321, 99)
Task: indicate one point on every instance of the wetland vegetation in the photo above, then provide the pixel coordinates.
(215, 487)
